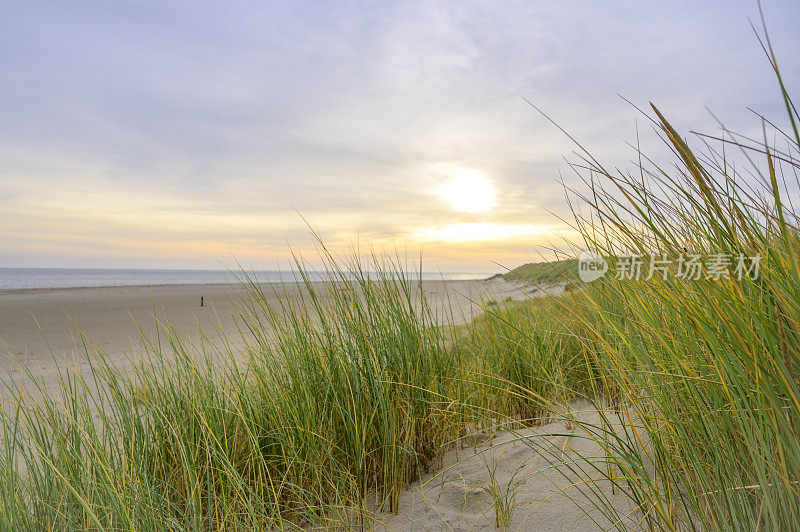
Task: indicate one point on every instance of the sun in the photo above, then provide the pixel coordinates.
(468, 190)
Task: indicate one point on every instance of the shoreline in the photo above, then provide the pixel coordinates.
(45, 289)
(233, 279)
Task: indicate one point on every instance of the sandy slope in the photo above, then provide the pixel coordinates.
(537, 465)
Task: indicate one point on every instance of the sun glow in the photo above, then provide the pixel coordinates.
(468, 190)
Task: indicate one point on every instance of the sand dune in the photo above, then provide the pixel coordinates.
(529, 468)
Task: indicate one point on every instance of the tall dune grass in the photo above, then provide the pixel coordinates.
(705, 371)
(528, 363)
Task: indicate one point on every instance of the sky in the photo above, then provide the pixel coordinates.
(187, 134)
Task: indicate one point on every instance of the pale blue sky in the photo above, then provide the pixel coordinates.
(177, 134)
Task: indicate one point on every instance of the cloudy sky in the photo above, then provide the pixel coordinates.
(181, 134)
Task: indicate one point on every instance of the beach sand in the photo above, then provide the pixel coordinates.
(43, 330)
(42, 324)
(46, 323)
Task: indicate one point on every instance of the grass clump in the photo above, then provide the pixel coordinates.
(528, 361)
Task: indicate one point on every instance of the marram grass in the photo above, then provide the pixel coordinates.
(705, 371)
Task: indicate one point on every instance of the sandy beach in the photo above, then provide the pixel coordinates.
(44, 324)
(43, 329)
(41, 324)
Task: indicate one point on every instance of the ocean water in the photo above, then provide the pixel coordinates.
(28, 278)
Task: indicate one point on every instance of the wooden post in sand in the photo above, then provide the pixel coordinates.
(201, 301)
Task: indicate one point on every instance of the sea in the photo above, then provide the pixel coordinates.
(32, 278)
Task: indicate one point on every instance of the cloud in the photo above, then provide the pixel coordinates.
(480, 232)
(146, 126)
